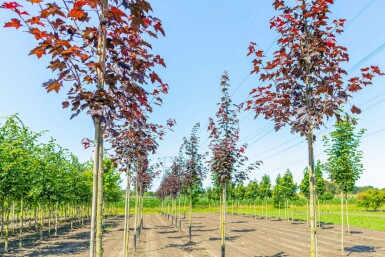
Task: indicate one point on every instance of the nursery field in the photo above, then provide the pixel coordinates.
(245, 237)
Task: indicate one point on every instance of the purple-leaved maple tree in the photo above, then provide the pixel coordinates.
(304, 83)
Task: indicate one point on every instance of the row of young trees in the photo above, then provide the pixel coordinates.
(44, 183)
(99, 50)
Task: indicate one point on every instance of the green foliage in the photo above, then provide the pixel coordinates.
(252, 190)
(328, 196)
(284, 190)
(240, 191)
(265, 187)
(372, 198)
(46, 173)
(320, 182)
(344, 158)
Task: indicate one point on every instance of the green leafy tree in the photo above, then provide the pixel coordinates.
(252, 190)
(265, 187)
(372, 198)
(320, 182)
(285, 189)
(344, 163)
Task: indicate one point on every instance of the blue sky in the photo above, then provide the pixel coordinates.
(203, 38)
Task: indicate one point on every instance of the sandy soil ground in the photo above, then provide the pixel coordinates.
(245, 237)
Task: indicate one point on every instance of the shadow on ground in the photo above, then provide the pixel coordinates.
(280, 254)
(360, 249)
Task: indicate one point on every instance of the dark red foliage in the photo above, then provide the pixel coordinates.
(305, 82)
(67, 32)
(228, 158)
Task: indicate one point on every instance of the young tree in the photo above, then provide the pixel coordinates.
(344, 163)
(265, 188)
(100, 51)
(304, 82)
(285, 189)
(195, 171)
(252, 190)
(320, 182)
(227, 157)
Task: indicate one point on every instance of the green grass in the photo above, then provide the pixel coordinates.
(330, 213)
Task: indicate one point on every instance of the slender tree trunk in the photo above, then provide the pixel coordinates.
(189, 218)
(347, 214)
(136, 211)
(319, 214)
(13, 217)
(313, 227)
(49, 218)
(41, 220)
(342, 222)
(127, 214)
(94, 189)
(141, 212)
(223, 220)
(307, 213)
(180, 215)
(2, 215)
(35, 212)
(22, 221)
(99, 204)
(6, 243)
(56, 216)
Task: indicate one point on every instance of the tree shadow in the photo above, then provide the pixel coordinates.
(240, 221)
(360, 249)
(280, 254)
(204, 230)
(228, 238)
(185, 247)
(168, 232)
(242, 230)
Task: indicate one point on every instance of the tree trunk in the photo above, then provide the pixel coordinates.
(189, 218)
(127, 214)
(13, 217)
(223, 220)
(41, 220)
(307, 213)
(342, 222)
(94, 189)
(6, 245)
(347, 214)
(56, 216)
(99, 202)
(140, 211)
(313, 227)
(2, 215)
(180, 215)
(319, 214)
(136, 211)
(22, 221)
(49, 218)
